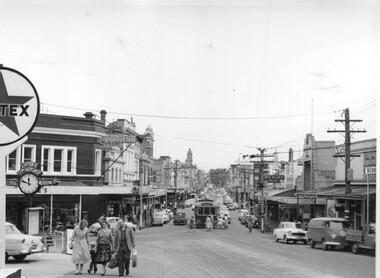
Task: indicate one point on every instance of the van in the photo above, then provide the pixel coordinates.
(328, 231)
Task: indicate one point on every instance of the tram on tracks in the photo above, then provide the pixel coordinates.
(204, 208)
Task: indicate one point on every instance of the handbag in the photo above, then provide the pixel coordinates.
(134, 257)
(113, 262)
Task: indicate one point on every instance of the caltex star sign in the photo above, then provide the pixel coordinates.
(19, 106)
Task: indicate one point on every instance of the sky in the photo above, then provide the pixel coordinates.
(223, 78)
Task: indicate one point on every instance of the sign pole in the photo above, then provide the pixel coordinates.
(367, 199)
(4, 152)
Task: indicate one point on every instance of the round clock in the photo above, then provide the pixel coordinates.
(29, 184)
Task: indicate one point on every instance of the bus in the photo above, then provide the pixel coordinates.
(204, 208)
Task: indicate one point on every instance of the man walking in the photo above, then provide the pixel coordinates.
(124, 244)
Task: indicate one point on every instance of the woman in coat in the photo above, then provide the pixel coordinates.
(79, 242)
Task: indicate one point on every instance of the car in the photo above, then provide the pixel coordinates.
(19, 245)
(236, 205)
(230, 206)
(158, 218)
(290, 232)
(242, 213)
(112, 222)
(130, 224)
(180, 218)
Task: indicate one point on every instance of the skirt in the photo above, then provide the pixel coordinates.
(104, 253)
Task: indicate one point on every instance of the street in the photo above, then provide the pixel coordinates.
(172, 251)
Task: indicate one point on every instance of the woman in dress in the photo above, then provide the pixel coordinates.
(79, 242)
(104, 244)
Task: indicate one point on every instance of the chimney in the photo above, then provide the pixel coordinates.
(103, 114)
(290, 154)
(89, 115)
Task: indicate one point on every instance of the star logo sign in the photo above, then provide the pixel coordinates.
(11, 107)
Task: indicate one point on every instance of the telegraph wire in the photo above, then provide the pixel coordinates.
(191, 118)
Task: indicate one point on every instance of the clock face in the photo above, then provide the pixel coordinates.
(29, 184)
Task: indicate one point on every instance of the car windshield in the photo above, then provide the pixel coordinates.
(11, 230)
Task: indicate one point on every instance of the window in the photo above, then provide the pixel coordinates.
(69, 161)
(57, 159)
(12, 159)
(98, 161)
(29, 153)
(45, 165)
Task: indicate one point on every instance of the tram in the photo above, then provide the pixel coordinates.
(204, 208)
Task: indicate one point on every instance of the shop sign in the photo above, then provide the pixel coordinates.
(370, 170)
(320, 201)
(274, 178)
(116, 140)
(19, 106)
(160, 192)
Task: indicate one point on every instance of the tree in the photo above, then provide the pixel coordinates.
(219, 176)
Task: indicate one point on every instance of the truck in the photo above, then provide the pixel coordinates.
(180, 218)
(362, 239)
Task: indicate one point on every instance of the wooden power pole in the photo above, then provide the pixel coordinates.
(348, 175)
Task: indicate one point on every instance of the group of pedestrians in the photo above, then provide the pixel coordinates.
(216, 223)
(104, 249)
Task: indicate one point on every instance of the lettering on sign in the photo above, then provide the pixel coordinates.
(370, 170)
(19, 106)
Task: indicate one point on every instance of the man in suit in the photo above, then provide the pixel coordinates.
(124, 243)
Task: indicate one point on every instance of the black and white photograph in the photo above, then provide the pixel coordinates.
(188, 138)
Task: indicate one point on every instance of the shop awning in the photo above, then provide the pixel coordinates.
(75, 188)
(357, 192)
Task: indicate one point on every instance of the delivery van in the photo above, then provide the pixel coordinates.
(328, 231)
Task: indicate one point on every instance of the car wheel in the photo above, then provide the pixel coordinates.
(312, 244)
(324, 245)
(276, 238)
(19, 257)
(305, 242)
(286, 240)
(6, 257)
(355, 248)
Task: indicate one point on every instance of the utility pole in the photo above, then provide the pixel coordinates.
(261, 182)
(348, 175)
(175, 183)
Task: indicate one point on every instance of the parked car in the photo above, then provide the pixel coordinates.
(230, 206)
(255, 221)
(166, 216)
(112, 222)
(236, 205)
(242, 213)
(290, 232)
(158, 218)
(359, 240)
(328, 231)
(19, 245)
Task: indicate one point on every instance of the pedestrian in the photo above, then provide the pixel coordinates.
(124, 244)
(79, 241)
(191, 225)
(93, 256)
(104, 246)
(226, 223)
(208, 223)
